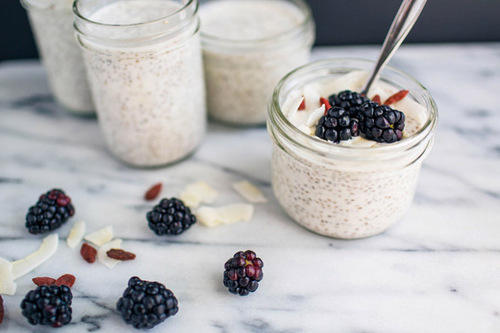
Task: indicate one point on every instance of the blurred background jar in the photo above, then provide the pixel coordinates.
(52, 25)
(143, 60)
(248, 46)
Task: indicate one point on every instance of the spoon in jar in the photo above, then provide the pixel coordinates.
(401, 25)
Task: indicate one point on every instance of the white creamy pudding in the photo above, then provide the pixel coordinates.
(248, 46)
(351, 189)
(307, 119)
(52, 25)
(144, 64)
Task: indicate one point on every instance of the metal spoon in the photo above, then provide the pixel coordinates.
(403, 22)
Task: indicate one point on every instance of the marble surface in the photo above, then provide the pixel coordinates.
(438, 270)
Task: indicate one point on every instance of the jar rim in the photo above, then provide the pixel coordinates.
(154, 21)
(304, 24)
(281, 123)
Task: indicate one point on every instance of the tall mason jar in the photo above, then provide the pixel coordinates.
(52, 25)
(248, 46)
(346, 191)
(143, 60)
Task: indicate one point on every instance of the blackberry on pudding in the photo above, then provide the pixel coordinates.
(51, 211)
(145, 304)
(243, 272)
(48, 305)
(337, 125)
(381, 123)
(170, 217)
(350, 101)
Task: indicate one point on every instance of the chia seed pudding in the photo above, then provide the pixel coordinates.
(248, 46)
(145, 69)
(356, 188)
(52, 25)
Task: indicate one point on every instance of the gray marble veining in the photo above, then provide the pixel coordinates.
(436, 271)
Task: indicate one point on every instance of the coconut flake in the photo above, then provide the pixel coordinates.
(249, 191)
(7, 284)
(236, 212)
(290, 101)
(102, 255)
(209, 216)
(351, 81)
(214, 216)
(315, 116)
(311, 97)
(199, 192)
(295, 107)
(45, 251)
(101, 236)
(76, 234)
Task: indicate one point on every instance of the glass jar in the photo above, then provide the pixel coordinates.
(345, 191)
(144, 64)
(52, 25)
(241, 72)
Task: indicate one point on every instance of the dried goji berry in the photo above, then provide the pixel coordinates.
(153, 192)
(302, 105)
(322, 101)
(88, 253)
(396, 97)
(1, 309)
(377, 100)
(66, 280)
(44, 281)
(120, 254)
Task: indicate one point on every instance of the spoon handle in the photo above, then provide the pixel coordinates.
(401, 25)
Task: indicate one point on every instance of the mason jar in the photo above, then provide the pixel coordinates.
(52, 25)
(346, 191)
(143, 60)
(248, 46)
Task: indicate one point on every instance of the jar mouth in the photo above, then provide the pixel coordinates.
(306, 22)
(323, 68)
(161, 19)
(43, 5)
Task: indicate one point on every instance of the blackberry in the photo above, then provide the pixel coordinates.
(337, 125)
(146, 304)
(48, 305)
(51, 211)
(243, 272)
(170, 217)
(381, 123)
(350, 101)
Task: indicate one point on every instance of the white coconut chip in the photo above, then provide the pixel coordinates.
(101, 236)
(76, 234)
(290, 101)
(209, 216)
(214, 216)
(196, 193)
(295, 107)
(7, 284)
(102, 256)
(351, 81)
(311, 97)
(236, 212)
(45, 251)
(249, 191)
(315, 116)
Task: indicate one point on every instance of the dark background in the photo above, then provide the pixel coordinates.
(339, 22)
